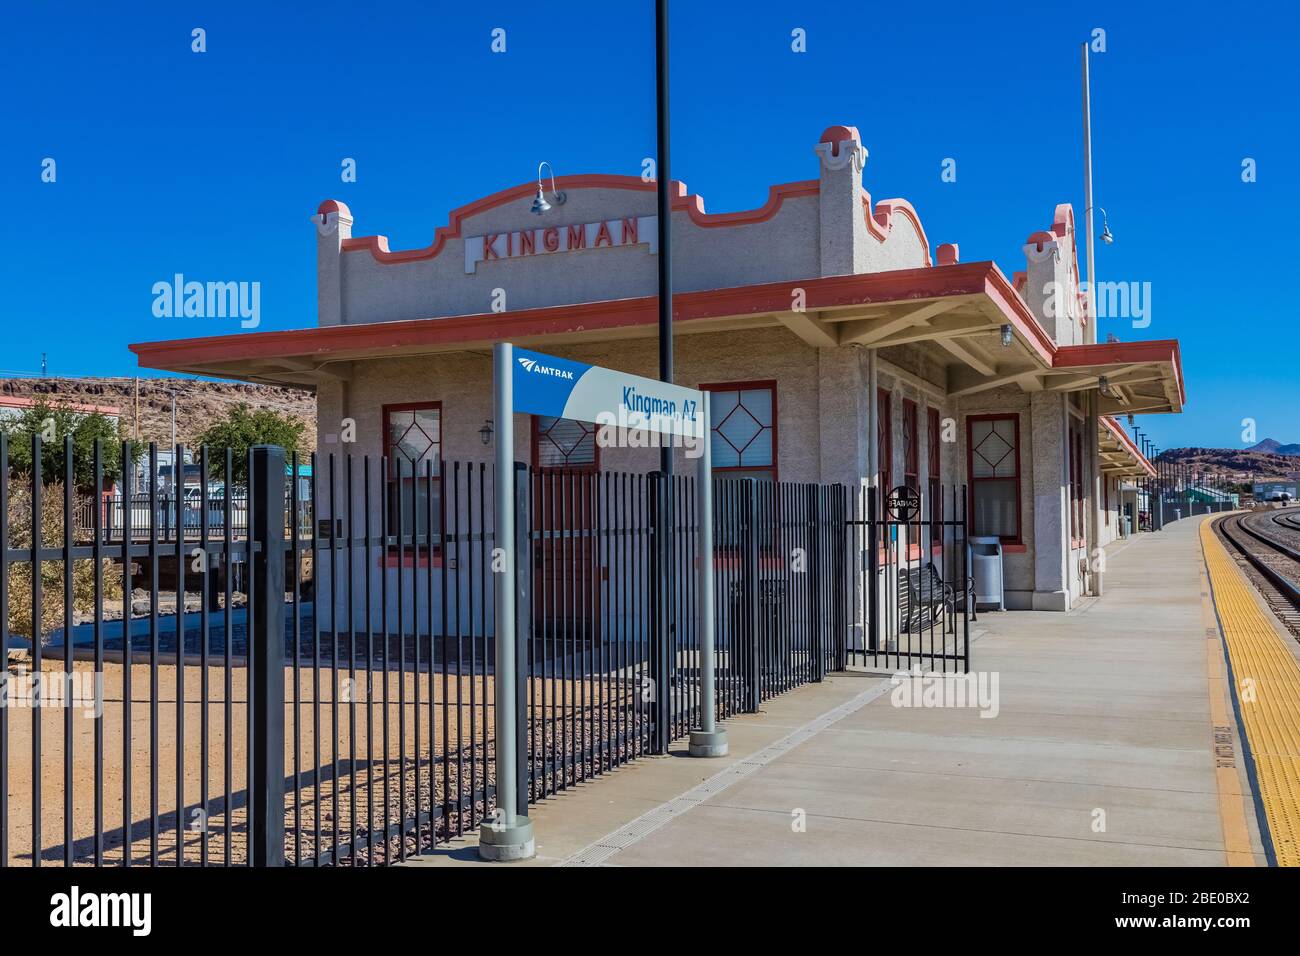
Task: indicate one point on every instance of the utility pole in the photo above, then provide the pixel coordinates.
(661, 611)
(1090, 333)
(1096, 561)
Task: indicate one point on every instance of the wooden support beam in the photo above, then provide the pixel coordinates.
(809, 327)
(960, 351)
(996, 381)
(872, 331)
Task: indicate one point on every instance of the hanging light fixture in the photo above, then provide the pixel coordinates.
(1006, 336)
(1106, 235)
(540, 205)
(1103, 385)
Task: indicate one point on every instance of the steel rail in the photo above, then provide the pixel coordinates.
(1285, 586)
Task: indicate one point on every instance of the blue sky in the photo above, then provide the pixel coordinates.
(210, 164)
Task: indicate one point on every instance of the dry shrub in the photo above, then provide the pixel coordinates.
(19, 522)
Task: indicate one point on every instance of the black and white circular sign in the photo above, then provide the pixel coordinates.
(903, 503)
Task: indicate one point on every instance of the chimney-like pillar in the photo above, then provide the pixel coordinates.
(843, 219)
(333, 222)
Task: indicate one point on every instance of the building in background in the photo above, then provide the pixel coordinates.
(837, 344)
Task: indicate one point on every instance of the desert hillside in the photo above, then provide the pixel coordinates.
(198, 403)
(1238, 464)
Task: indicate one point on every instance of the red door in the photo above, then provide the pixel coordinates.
(566, 564)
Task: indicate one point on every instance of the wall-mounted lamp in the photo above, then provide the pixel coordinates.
(540, 205)
(485, 433)
(1006, 336)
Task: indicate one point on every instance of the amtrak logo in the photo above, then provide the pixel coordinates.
(531, 365)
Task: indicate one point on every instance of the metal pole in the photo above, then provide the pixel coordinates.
(508, 835)
(1090, 335)
(665, 211)
(266, 656)
(1095, 561)
(709, 740)
(661, 619)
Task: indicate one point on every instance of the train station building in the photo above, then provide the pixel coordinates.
(838, 343)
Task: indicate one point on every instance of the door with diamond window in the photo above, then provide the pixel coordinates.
(567, 572)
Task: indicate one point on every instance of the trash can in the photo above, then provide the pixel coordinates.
(1128, 525)
(986, 569)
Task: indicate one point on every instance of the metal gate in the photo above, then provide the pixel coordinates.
(914, 580)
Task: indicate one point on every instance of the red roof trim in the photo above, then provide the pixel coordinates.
(1118, 431)
(973, 278)
(921, 283)
(693, 204)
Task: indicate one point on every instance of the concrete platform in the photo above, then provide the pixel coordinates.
(1102, 752)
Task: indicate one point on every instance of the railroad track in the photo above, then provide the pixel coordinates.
(1267, 545)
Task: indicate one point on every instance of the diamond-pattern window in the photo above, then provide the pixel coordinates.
(563, 443)
(744, 429)
(414, 438)
(993, 448)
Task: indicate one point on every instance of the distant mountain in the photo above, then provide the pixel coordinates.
(198, 402)
(1238, 464)
(1271, 446)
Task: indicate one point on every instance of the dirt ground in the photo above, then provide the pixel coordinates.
(350, 766)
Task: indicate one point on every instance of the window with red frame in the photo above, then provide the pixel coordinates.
(743, 430)
(932, 435)
(885, 439)
(911, 451)
(1076, 484)
(413, 444)
(993, 443)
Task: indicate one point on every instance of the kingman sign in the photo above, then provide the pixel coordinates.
(628, 231)
(563, 388)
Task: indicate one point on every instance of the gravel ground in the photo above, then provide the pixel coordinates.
(347, 797)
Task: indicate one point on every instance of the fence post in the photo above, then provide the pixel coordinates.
(266, 657)
(816, 611)
(749, 577)
(873, 563)
(523, 631)
(840, 589)
(660, 617)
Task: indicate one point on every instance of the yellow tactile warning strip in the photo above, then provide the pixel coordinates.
(1234, 792)
(1266, 679)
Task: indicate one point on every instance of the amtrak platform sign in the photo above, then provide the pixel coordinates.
(563, 388)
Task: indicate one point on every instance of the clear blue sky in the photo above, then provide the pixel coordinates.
(210, 164)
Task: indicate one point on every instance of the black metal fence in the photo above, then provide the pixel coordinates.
(319, 689)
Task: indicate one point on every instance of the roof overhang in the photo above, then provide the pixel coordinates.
(958, 310)
(1119, 454)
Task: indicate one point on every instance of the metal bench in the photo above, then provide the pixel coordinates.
(922, 591)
